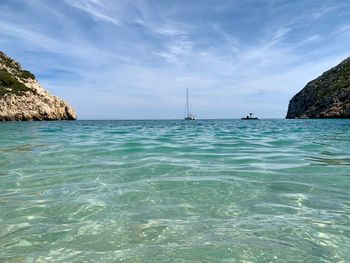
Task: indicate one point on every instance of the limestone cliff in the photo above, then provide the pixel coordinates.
(22, 98)
(328, 96)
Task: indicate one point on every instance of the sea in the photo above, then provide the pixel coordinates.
(271, 190)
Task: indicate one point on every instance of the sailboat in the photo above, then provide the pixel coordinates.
(189, 116)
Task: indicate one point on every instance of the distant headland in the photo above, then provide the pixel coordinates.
(328, 96)
(23, 99)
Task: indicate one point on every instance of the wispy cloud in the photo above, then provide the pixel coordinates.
(344, 29)
(178, 48)
(93, 8)
(324, 11)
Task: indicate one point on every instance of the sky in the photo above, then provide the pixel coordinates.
(134, 59)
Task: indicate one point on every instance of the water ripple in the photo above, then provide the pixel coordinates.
(175, 191)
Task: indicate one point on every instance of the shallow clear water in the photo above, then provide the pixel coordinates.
(175, 191)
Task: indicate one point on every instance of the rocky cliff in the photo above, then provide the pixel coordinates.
(22, 98)
(328, 96)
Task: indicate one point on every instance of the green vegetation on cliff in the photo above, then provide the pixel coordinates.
(333, 81)
(328, 96)
(15, 67)
(11, 77)
(10, 84)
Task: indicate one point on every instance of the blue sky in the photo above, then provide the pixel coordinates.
(122, 59)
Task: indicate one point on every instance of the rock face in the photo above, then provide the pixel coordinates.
(328, 96)
(23, 99)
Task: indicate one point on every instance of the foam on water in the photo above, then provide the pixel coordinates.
(175, 191)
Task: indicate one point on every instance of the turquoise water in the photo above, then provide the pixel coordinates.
(175, 191)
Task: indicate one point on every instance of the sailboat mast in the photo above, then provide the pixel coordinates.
(187, 104)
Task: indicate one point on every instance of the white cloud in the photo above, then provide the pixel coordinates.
(92, 7)
(177, 49)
